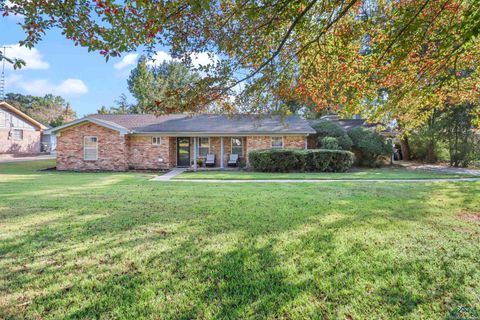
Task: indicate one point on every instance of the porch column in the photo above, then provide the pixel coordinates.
(221, 153)
(194, 153)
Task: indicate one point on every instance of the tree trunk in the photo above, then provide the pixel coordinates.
(431, 156)
(405, 149)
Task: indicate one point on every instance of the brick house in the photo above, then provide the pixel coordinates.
(19, 133)
(122, 142)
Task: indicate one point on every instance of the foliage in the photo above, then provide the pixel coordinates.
(371, 145)
(116, 245)
(122, 106)
(286, 160)
(328, 128)
(330, 143)
(448, 135)
(49, 109)
(277, 160)
(152, 85)
(389, 59)
(16, 63)
(458, 133)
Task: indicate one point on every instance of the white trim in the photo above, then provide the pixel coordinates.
(222, 151)
(99, 122)
(159, 140)
(198, 147)
(271, 143)
(242, 145)
(96, 148)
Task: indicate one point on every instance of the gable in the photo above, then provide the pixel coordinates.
(12, 117)
(9, 119)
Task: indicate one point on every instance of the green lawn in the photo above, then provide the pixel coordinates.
(355, 174)
(117, 246)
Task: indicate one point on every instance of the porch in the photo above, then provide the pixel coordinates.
(191, 152)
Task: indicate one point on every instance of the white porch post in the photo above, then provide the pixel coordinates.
(221, 153)
(194, 153)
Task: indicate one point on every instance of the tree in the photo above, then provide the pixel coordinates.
(49, 109)
(154, 85)
(338, 53)
(141, 82)
(458, 132)
(122, 106)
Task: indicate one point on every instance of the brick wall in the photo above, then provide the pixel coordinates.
(112, 153)
(265, 142)
(30, 144)
(142, 154)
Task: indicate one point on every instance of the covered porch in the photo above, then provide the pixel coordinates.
(192, 152)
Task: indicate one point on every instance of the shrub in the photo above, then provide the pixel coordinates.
(330, 143)
(271, 160)
(301, 160)
(370, 144)
(327, 128)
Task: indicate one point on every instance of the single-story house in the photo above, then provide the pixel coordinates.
(19, 133)
(144, 141)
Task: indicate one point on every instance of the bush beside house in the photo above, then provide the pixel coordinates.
(370, 146)
(326, 130)
(285, 160)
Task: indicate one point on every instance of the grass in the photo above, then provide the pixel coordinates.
(356, 174)
(115, 245)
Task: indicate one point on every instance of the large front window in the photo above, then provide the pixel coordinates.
(237, 146)
(90, 148)
(203, 146)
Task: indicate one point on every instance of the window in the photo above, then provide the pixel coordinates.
(90, 148)
(277, 142)
(156, 140)
(17, 134)
(203, 146)
(237, 146)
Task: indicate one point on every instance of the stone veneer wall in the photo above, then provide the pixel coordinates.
(30, 144)
(112, 153)
(142, 154)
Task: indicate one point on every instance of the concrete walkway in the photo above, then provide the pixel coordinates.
(169, 175)
(8, 158)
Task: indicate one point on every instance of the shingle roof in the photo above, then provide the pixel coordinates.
(214, 124)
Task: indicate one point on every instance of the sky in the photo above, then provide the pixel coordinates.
(58, 67)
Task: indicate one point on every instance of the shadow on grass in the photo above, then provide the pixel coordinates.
(131, 249)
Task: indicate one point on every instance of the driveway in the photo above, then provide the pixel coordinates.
(439, 168)
(8, 158)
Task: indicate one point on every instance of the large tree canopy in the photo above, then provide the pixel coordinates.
(397, 59)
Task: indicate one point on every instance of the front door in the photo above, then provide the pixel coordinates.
(183, 152)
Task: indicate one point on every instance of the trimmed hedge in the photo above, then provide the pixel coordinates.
(293, 160)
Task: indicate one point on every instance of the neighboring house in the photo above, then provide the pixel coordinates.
(121, 142)
(19, 133)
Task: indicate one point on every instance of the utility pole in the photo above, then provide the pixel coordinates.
(2, 76)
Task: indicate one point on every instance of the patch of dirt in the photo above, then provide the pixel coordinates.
(469, 216)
